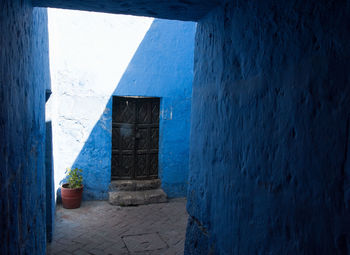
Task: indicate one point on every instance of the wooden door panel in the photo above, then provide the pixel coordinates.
(122, 165)
(141, 169)
(124, 110)
(142, 138)
(153, 166)
(155, 112)
(154, 138)
(123, 138)
(144, 113)
(135, 138)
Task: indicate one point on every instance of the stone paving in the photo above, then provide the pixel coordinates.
(100, 228)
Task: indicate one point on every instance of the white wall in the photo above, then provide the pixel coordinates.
(89, 53)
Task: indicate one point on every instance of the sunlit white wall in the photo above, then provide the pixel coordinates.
(89, 53)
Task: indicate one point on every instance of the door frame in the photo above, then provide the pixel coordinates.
(135, 124)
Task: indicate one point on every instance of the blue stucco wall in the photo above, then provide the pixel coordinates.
(95, 158)
(23, 78)
(175, 9)
(89, 52)
(162, 66)
(269, 157)
(269, 161)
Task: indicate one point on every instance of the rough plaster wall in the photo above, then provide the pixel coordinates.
(163, 67)
(269, 163)
(23, 78)
(89, 53)
(174, 9)
(96, 55)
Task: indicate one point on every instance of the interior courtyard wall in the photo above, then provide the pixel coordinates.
(95, 56)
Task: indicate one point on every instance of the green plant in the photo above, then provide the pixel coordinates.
(74, 178)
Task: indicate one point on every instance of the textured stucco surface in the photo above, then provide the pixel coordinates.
(270, 129)
(163, 67)
(174, 9)
(95, 56)
(89, 53)
(24, 76)
(269, 157)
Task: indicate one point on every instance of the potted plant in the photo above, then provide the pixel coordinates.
(72, 191)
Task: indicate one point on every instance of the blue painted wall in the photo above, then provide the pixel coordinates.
(24, 76)
(269, 148)
(89, 52)
(95, 158)
(161, 67)
(176, 9)
(269, 160)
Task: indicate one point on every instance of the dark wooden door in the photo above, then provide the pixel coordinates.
(135, 137)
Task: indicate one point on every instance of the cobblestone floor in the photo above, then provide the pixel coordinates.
(99, 228)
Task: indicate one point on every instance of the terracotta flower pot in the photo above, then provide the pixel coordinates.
(71, 198)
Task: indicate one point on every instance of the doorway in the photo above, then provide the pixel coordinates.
(135, 138)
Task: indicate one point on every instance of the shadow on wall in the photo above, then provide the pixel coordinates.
(50, 198)
(164, 68)
(95, 157)
(161, 67)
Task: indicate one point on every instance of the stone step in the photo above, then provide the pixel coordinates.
(134, 185)
(126, 198)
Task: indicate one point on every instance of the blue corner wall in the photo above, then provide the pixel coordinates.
(24, 76)
(161, 67)
(269, 157)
